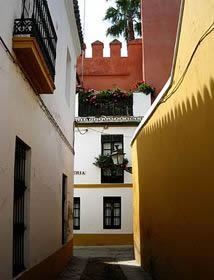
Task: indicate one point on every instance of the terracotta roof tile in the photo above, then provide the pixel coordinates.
(78, 21)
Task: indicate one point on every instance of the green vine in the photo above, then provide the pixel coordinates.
(142, 86)
(95, 98)
(105, 162)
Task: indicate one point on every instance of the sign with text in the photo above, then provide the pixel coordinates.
(79, 172)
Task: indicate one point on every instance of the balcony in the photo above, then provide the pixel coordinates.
(104, 103)
(109, 109)
(34, 43)
(110, 106)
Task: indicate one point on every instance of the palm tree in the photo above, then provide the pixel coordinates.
(125, 19)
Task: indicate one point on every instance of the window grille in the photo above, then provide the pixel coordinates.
(76, 213)
(109, 144)
(109, 109)
(19, 207)
(112, 212)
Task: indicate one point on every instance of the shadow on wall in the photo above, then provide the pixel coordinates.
(175, 156)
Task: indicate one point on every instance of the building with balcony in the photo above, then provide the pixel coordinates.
(39, 43)
(104, 121)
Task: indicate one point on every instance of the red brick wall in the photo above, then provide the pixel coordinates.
(149, 59)
(112, 72)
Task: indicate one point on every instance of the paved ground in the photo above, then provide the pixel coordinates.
(103, 263)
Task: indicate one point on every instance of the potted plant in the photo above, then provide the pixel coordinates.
(142, 86)
(106, 162)
(94, 97)
(142, 98)
(106, 102)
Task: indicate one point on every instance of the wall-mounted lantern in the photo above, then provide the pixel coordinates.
(118, 159)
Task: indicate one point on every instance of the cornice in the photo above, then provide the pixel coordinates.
(108, 120)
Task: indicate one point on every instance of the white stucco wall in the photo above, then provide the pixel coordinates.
(141, 103)
(50, 157)
(91, 209)
(88, 146)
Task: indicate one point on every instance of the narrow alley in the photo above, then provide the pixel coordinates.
(106, 145)
(103, 263)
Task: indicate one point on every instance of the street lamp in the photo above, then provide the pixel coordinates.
(118, 157)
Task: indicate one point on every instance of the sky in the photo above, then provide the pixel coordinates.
(95, 27)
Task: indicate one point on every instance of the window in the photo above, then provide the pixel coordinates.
(64, 208)
(76, 212)
(112, 212)
(68, 78)
(109, 144)
(19, 223)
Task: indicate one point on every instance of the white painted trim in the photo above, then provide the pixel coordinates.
(168, 84)
(108, 119)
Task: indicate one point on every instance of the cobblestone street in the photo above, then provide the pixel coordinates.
(103, 263)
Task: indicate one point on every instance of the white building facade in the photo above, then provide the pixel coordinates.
(39, 44)
(103, 201)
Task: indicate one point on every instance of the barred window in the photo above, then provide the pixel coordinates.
(109, 144)
(64, 208)
(19, 209)
(76, 213)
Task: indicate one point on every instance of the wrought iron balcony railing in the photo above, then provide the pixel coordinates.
(108, 109)
(36, 21)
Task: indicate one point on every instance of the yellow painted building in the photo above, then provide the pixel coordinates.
(173, 159)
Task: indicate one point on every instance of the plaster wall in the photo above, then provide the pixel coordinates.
(49, 157)
(88, 146)
(141, 103)
(159, 27)
(91, 209)
(172, 160)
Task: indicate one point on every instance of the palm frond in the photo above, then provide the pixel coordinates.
(125, 11)
(115, 30)
(112, 15)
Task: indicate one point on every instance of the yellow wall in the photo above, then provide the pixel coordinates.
(50, 267)
(173, 163)
(102, 239)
